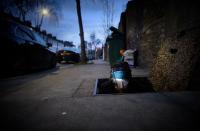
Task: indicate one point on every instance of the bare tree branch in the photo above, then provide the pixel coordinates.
(108, 15)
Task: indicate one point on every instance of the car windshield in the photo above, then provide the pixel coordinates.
(39, 39)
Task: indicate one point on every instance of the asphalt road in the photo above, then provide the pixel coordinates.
(61, 99)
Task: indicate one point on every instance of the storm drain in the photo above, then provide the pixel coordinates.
(136, 85)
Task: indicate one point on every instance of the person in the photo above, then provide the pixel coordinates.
(121, 73)
(121, 52)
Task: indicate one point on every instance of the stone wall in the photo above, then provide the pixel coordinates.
(178, 56)
(152, 31)
(122, 23)
(166, 34)
(144, 28)
(134, 22)
(173, 67)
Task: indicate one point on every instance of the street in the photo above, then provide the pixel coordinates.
(61, 99)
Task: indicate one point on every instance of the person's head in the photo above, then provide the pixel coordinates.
(122, 51)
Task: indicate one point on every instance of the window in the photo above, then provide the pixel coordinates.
(39, 39)
(23, 33)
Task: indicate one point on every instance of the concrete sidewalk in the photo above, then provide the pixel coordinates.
(100, 61)
(61, 100)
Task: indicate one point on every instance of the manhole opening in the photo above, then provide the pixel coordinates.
(136, 85)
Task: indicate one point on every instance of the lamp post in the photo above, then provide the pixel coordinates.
(44, 12)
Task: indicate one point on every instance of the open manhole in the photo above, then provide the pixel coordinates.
(136, 85)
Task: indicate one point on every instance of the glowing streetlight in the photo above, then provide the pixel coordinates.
(44, 12)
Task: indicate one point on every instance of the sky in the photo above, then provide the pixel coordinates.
(67, 27)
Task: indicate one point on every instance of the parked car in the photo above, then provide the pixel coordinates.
(22, 49)
(67, 56)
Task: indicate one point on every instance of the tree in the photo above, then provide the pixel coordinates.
(94, 41)
(89, 45)
(108, 15)
(19, 8)
(83, 53)
(22, 6)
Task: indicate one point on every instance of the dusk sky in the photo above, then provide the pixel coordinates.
(92, 14)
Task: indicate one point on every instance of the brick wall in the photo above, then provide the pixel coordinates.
(175, 71)
(166, 34)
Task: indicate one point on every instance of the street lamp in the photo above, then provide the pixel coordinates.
(44, 12)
